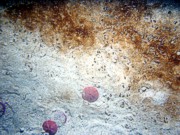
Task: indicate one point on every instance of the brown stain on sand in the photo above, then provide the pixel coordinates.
(152, 44)
(63, 19)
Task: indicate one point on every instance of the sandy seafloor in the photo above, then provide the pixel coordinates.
(37, 79)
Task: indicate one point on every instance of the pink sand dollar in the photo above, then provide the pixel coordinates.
(50, 127)
(90, 94)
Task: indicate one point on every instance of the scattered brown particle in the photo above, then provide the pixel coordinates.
(75, 24)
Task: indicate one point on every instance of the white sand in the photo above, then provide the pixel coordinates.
(36, 79)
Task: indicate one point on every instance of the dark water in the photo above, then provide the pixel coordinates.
(6, 3)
